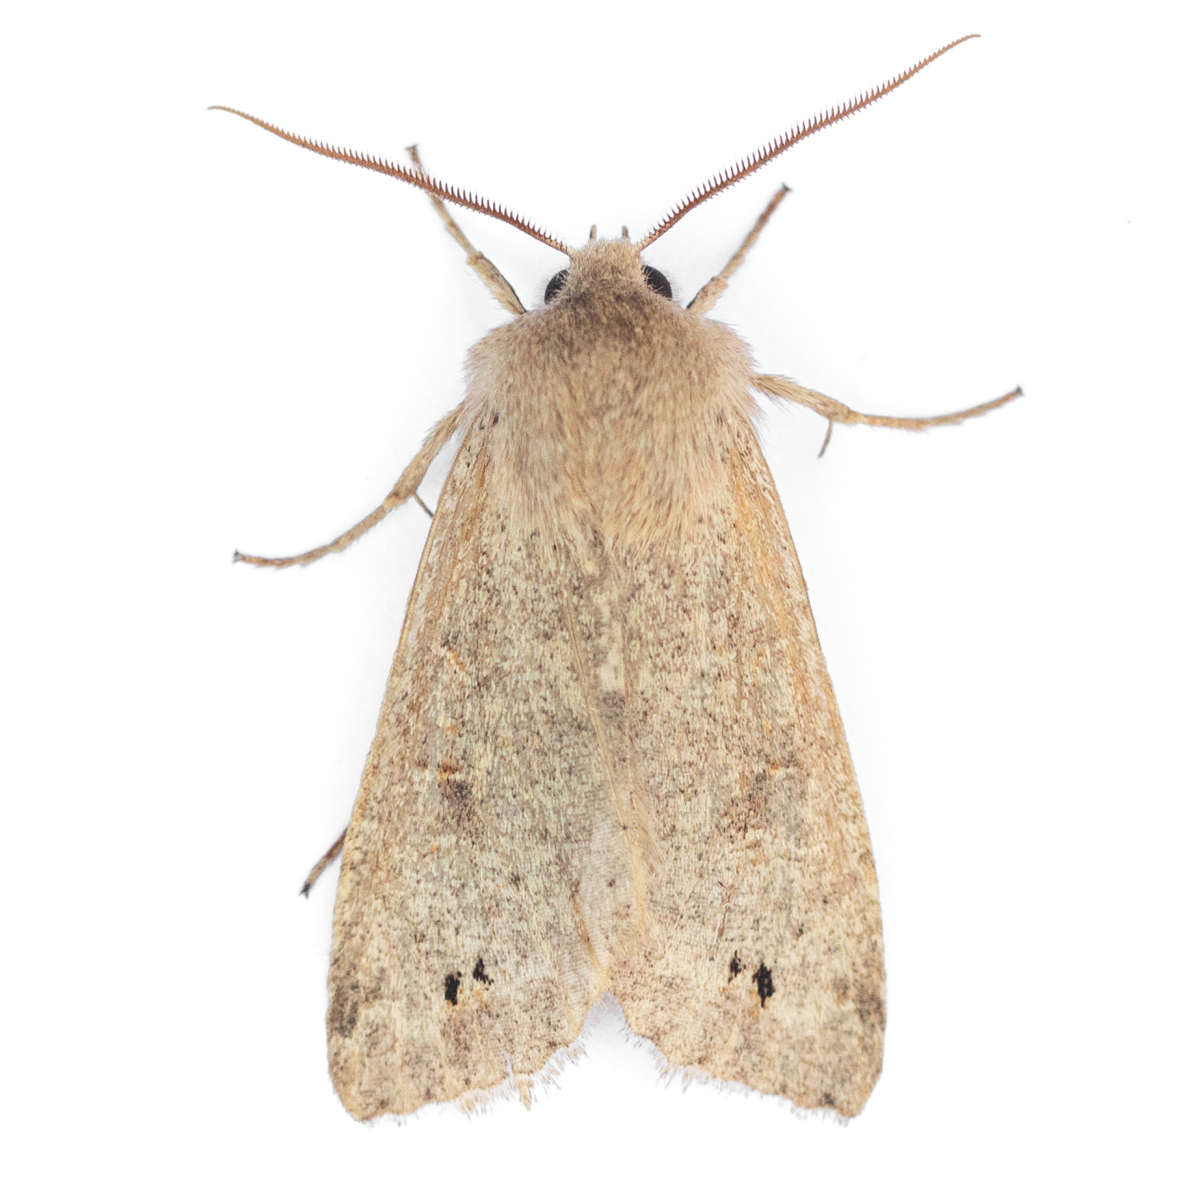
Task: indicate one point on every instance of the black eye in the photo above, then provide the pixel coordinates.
(555, 285)
(655, 280)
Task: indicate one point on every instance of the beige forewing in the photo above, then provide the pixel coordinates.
(487, 885)
(763, 958)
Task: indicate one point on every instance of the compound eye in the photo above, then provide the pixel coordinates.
(555, 285)
(655, 280)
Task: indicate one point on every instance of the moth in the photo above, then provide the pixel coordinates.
(609, 757)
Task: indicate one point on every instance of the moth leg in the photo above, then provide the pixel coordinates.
(325, 859)
(835, 411)
(406, 487)
(493, 280)
(710, 293)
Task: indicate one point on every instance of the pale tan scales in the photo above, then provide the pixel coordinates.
(609, 756)
(767, 866)
(484, 831)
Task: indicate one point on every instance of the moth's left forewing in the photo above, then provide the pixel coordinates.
(763, 958)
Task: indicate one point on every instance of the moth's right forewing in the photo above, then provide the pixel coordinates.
(486, 886)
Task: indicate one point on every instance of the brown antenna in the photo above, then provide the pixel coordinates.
(785, 141)
(436, 187)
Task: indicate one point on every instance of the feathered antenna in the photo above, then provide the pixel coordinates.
(785, 141)
(436, 187)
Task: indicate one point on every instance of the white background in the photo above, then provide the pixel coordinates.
(217, 340)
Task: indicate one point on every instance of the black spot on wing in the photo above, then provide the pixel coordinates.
(480, 975)
(762, 980)
(453, 982)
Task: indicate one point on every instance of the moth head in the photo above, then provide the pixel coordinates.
(611, 266)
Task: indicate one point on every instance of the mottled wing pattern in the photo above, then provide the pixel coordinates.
(486, 887)
(602, 770)
(762, 961)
